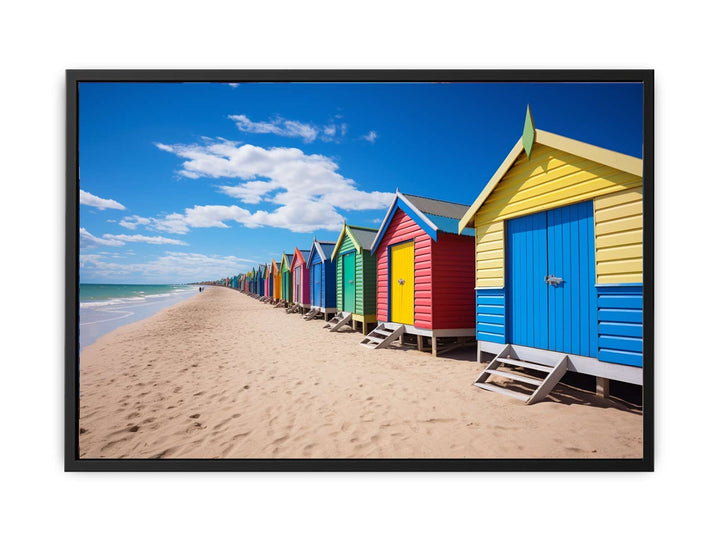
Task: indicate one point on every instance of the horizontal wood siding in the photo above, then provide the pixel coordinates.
(619, 237)
(490, 315)
(489, 255)
(365, 279)
(453, 298)
(403, 229)
(550, 179)
(620, 316)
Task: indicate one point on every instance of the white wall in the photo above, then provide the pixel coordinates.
(39, 42)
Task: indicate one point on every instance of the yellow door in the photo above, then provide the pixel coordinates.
(402, 283)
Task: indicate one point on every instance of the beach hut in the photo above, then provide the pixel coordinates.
(260, 281)
(355, 278)
(301, 279)
(286, 278)
(253, 281)
(268, 281)
(425, 276)
(322, 278)
(277, 279)
(559, 261)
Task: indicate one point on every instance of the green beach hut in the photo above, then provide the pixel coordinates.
(286, 278)
(356, 275)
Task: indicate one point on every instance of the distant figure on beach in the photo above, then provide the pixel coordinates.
(199, 289)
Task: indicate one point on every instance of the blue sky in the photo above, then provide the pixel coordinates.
(197, 181)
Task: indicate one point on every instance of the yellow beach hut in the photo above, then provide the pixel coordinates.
(559, 265)
(277, 289)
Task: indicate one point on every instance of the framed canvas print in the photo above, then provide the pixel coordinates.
(359, 270)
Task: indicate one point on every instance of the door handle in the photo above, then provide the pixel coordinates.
(553, 280)
(351, 281)
(401, 281)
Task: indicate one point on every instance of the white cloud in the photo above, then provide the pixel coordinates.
(89, 241)
(308, 132)
(329, 131)
(277, 126)
(144, 239)
(371, 136)
(171, 267)
(89, 199)
(306, 187)
(233, 84)
(131, 222)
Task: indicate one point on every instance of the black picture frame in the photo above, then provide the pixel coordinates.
(71, 431)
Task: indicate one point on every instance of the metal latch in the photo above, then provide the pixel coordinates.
(401, 281)
(553, 280)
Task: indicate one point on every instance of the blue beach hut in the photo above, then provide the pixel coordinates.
(322, 278)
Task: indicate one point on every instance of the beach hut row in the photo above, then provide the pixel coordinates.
(544, 269)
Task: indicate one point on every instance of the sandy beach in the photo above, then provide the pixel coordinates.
(221, 375)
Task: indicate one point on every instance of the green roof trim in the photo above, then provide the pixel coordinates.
(345, 231)
(528, 136)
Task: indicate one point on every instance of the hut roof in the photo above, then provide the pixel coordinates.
(324, 250)
(436, 207)
(362, 237)
(432, 215)
(530, 136)
(304, 256)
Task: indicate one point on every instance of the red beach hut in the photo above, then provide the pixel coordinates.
(301, 279)
(425, 278)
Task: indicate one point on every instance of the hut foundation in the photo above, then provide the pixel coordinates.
(602, 387)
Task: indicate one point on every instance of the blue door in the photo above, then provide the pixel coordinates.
(316, 281)
(551, 280)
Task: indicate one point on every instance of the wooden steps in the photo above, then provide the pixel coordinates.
(338, 321)
(509, 360)
(381, 337)
(502, 390)
(310, 315)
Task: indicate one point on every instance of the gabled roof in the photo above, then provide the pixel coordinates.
(285, 260)
(301, 255)
(361, 237)
(323, 249)
(275, 266)
(432, 215)
(616, 160)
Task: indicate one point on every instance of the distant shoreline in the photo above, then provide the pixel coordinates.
(98, 317)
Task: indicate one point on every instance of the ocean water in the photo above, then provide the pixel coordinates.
(104, 308)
